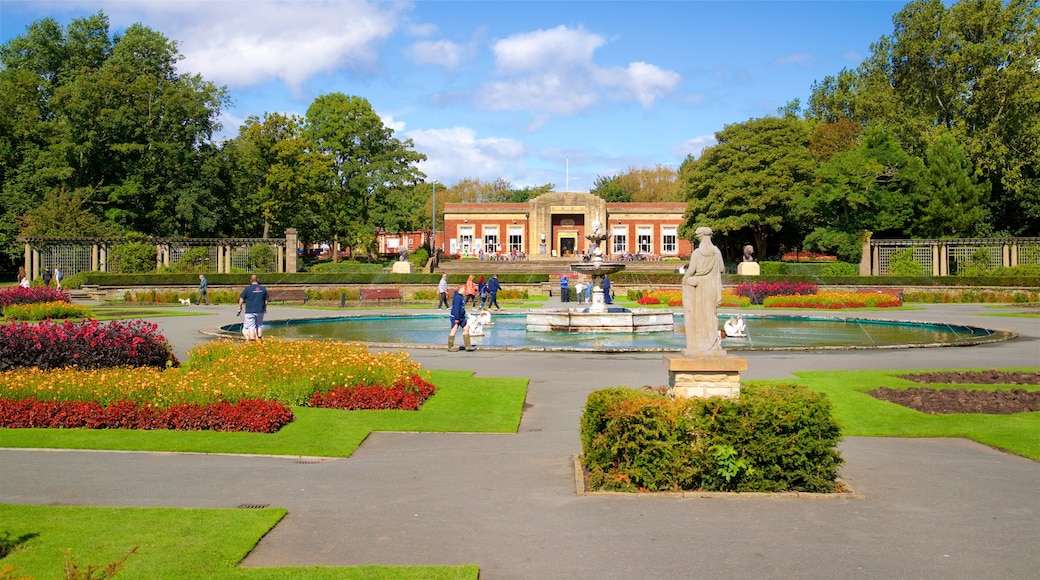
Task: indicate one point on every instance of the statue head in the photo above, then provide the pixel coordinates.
(702, 232)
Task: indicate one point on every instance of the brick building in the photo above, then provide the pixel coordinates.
(555, 224)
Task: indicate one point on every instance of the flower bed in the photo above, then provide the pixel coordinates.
(833, 301)
(759, 291)
(249, 415)
(46, 310)
(87, 345)
(19, 295)
(220, 375)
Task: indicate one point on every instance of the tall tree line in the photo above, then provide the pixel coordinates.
(102, 135)
(936, 134)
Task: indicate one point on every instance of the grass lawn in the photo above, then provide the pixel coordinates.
(864, 416)
(462, 403)
(171, 543)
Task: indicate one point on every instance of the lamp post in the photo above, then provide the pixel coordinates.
(433, 229)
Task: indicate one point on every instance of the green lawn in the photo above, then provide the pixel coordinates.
(462, 403)
(862, 415)
(171, 543)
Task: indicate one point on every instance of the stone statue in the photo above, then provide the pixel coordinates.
(748, 253)
(701, 297)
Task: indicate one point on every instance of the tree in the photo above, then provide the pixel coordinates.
(365, 161)
(749, 180)
(610, 189)
(954, 203)
(874, 187)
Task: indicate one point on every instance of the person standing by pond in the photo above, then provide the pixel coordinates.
(47, 277)
(470, 291)
(492, 290)
(254, 297)
(458, 319)
(203, 289)
(565, 291)
(442, 292)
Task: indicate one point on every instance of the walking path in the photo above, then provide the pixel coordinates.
(931, 508)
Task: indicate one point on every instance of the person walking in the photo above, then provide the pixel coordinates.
(442, 292)
(203, 289)
(492, 290)
(458, 320)
(608, 298)
(482, 291)
(254, 297)
(471, 291)
(23, 278)
(58, 275)
(47, 277)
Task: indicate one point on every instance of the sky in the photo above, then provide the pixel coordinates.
(532, 92)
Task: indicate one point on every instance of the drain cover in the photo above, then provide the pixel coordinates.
(253, 506)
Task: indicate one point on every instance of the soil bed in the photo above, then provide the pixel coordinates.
(942, 401)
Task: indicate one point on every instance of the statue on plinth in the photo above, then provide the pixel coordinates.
(701, 297)
(749, 253)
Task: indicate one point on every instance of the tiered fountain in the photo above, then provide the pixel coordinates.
(599, 316)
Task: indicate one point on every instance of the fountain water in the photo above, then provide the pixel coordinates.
(599, 316)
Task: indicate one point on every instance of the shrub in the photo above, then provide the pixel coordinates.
(402, 395)
(133, 257)
(773, 438)
(757, 291)
(261, 258)
(418, 258)
(839, 269)
(193, 259)
(45, 310)
(902, 263)
(346, 266)
(87, 345)
(36, 295)
(773, 268)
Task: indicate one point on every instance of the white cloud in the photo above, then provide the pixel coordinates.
(442, 53)
(695, 146)
(799, 58)
(553, 71)
(245, 43)
(456, 153)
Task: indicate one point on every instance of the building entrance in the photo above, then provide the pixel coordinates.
(567, 245)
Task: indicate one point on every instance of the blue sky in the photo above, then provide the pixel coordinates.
(529, 91)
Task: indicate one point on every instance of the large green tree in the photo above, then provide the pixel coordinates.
(954, 202)
(366, 163)
(746, 184)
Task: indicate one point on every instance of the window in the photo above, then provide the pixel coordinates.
(516, 239)
(620, 240)
(669, 240)
(465, 239)
(491, 242)
(644, 239)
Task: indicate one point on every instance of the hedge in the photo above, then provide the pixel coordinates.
(302, 278)
(773, 438)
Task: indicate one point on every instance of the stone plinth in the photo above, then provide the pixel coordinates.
(704, 376)
(748, 269)
(401, 267)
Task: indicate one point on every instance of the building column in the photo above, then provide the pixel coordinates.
(1014, 254)
(292, 241)
(37, 269)
(936, 266)
(27, 261)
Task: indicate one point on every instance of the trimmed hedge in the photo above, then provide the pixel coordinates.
(773, 438)
(303, 278)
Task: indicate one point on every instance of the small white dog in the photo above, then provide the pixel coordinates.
(185, 301)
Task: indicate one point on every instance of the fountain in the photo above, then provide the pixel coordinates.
(599, 316)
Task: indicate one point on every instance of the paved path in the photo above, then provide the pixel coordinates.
(932, 508)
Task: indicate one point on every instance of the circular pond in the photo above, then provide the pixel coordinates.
(766, 332)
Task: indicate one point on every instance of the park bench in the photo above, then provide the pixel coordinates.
(380, 294)
(891, 291)
(286, 294)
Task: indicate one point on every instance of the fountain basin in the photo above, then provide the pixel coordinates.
(611, 319)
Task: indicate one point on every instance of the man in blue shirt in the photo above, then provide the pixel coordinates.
(492, 290)
(565, 290)
(254, 297)
(458, 320)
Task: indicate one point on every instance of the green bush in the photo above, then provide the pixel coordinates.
(839, 269)
(261, 258)
(773, 438)
(902, 263)
(346, 266)
(419, 258)
(133, 257)
(194, 259)
(773, 268)
(45, 310)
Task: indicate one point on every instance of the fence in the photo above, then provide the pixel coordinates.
(950, 257)
(95, 254)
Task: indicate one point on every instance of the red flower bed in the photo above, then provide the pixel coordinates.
(255, 416)
(402, 396)
(19, 295)
(87, 345)
(647, 299)
(758, 291)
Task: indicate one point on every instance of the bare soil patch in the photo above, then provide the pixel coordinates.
(953, 400)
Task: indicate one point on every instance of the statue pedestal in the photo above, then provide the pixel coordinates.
(748, 269)
(704, 376)
(401, 267)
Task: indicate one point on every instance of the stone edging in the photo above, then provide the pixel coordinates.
(579, 489)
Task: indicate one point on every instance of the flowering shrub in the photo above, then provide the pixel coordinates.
(87, 345)
(807, 257)
(249, 415)
(647, 299)
(407, 396)
(19, 295)
(834, 301)
(757, 291)
(45, 310)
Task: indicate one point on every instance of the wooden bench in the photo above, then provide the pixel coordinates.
(891, 291)
(286, 294)
(380, 294)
